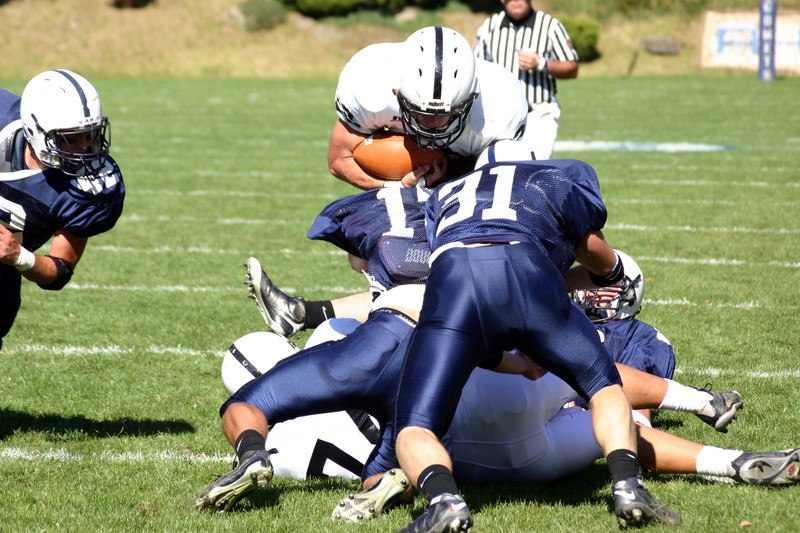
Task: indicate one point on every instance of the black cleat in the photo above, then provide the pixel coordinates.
(635, 506)
(724, 406)
(253, 472)
(284, 314)
(768, 468)
(448, 513)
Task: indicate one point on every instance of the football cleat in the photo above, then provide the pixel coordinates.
(724, 406)
(768, 468)
(370, 503)
(253, 471)
(447, 513)
(635, 506)
(284, 314)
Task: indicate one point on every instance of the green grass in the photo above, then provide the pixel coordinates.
(110, 388)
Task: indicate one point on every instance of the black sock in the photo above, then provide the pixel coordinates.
(249, 440)
(318, 312)
(623, 465)
(436, 480)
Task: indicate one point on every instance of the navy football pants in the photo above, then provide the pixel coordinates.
(480, 301)
(360, 371)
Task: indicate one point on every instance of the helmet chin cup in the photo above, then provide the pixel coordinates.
(439, 137)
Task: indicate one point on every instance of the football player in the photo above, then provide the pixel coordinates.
(432, 88)
(377, 227)
(57, 181)
(386, 226)
(518, 432)
(503, 238)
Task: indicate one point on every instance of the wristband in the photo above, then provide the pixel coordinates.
(25, 259)
(616, 274)
(542, 66)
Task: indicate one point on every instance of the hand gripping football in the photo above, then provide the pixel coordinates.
(390, 156)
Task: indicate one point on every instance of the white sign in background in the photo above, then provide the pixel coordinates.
(731, 40)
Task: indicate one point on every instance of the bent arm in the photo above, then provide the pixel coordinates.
(596, 256)
(63, 246)
(562, 70)
(340, 158)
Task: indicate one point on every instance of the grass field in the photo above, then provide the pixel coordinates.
(110, 388)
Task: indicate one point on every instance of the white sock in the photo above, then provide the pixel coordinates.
(713, 461)
(682, 398)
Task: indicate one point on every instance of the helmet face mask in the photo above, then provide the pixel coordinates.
(64, 124)
(437, 86)
(77, 152)
(434, 128)
(616, 302)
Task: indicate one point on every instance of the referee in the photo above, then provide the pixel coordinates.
(534, 46)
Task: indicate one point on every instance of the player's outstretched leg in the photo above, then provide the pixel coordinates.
(253, 471)
(284, 314)
(768, 468)
(635, 506)
(723, 407)
(372, 502)
(447, 513)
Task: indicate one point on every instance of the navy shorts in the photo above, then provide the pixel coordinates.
(480, 301)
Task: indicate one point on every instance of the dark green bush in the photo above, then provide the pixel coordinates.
(342, 8)
(262, 14)
(644, 7)
(584, 32)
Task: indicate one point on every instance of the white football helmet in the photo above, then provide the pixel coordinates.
(616, 302)
(437, 85)
(252, 355)
(505, 150)
(63, 122)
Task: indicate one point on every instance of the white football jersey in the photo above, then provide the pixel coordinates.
(329, 444)
(366, 100)
(506, 428)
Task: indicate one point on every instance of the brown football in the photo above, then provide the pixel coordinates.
(390, 156)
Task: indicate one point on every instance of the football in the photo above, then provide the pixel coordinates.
(390, 156)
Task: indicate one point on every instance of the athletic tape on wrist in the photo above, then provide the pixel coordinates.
(25, 259)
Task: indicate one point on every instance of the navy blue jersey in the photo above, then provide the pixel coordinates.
(9, 107)
(551, 204)
(384, 226)
(35, 204)
(639, 345)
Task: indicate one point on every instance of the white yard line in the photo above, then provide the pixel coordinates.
(705, 229)
(186, 289)
(205, 250)
(61, 455)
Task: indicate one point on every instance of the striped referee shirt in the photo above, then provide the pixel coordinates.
(499, 38)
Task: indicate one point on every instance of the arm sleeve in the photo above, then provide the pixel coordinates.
(562, 47)
(584, 203)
